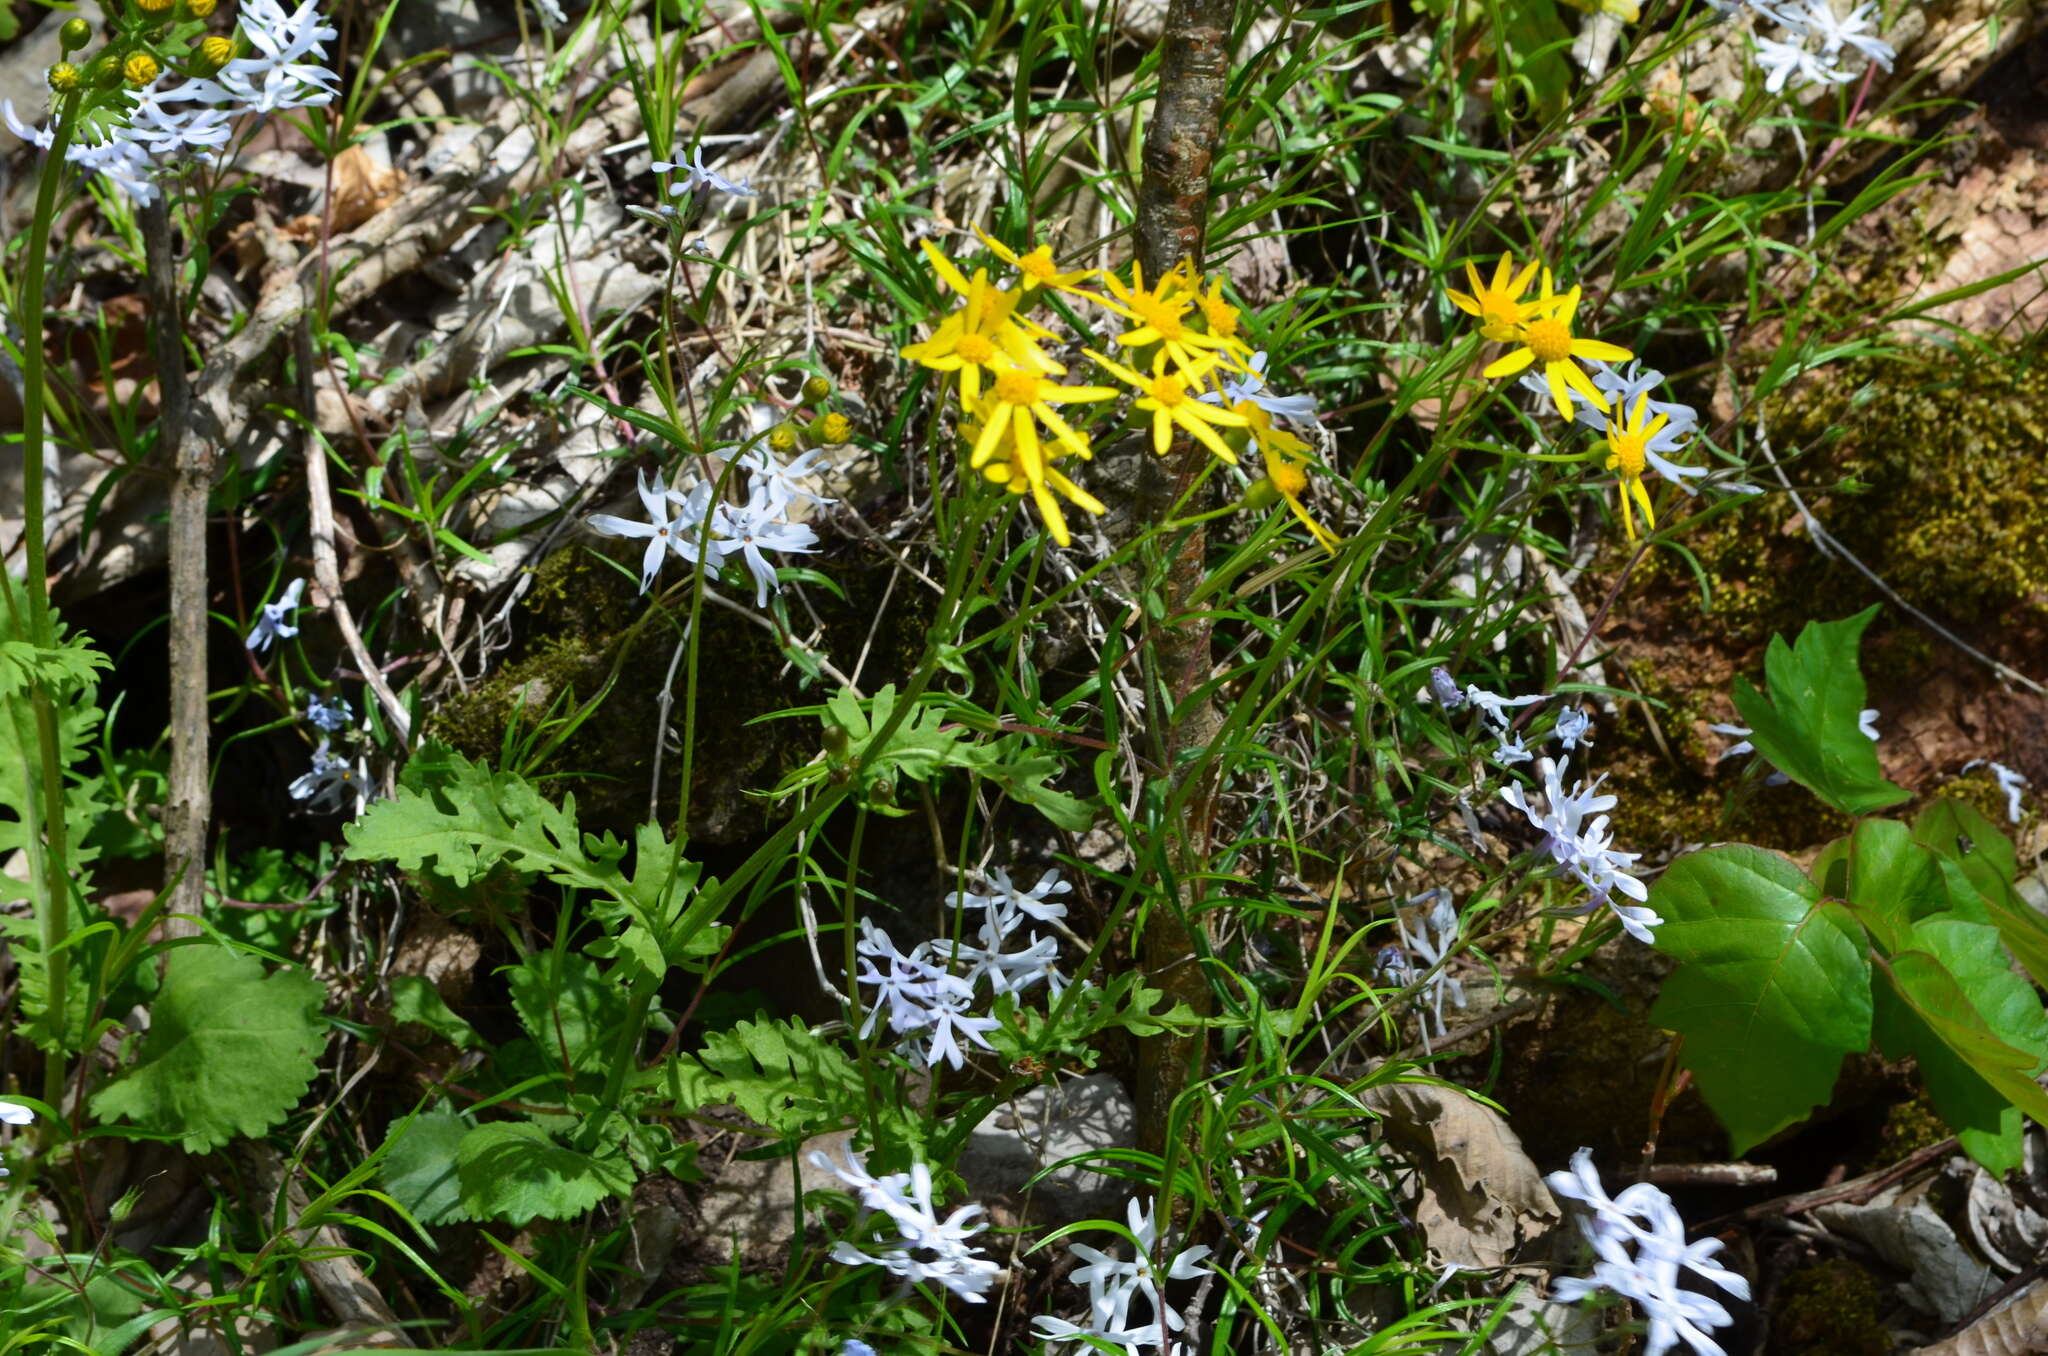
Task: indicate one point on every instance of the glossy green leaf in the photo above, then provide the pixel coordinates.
(1973, 1018)
(1772, 989)
(1985, 856)
(1808, 728)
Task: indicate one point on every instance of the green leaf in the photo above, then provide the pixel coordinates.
(570, 1010)
(1972, 1021)
(1985, 856)
(229, 1050)
(1772, 989)
(419, 1169)
(777, 1073)
(512, 1171)
(459, 820)
(1808, 729)
(416, 1002)
(1893, 882)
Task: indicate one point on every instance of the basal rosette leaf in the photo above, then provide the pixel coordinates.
(1808, 728)
(1772, 989)
(229, 1051)
(418, 1168)
(513, 1171)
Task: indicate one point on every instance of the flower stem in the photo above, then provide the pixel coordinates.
(49, 876)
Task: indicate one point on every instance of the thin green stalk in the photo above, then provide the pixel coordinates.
(48, 859)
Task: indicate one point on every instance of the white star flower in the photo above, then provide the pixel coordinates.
(1496, 706)
(1782, 61)
(1854, 31)
(667, 529)
(332, 780)
(757, 527)
(696, 176)
(1574, 727)
(1576, 836)
(2009, 782)
(1250, 385)
(1640, 1241)
(274, 621)
(927, 1248)
(329, 715)
(14, 1113)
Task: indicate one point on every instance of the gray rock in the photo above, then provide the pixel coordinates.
(1533, 1326)
(1947, 1281)
(1046, 1125)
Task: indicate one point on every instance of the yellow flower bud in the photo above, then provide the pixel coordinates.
(154, 9)
(816, 389)
(834, 429)
(64, 77)
(216, 52)
(105, 73)
(140, 69)
(199, 9)
(782, 440)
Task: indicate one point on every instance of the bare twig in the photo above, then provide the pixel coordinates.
(191, 462)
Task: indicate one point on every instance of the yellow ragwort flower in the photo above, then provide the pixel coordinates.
(1628, 441)
(1547, 338)
(140, 69)
(1222, 319)
(1019, 400)
(1161, 315)
(985, 329)
(1289, 478)
(1173, 401)
(1038, 268)
(1002, 468)
(1498, 304)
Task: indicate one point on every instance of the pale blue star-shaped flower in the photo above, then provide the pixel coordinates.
(274, 621)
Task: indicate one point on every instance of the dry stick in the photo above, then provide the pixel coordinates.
(326, 570)
(1173, 213)
(191, 462)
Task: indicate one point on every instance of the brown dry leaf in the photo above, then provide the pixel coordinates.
(362, 189)
(2017, 1328)
(1483, 1197)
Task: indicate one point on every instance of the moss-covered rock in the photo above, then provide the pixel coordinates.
(571, 626)
(1830, 1309)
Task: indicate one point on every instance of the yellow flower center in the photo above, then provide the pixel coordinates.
(975, 348)
(1550, 340)
(1498, 311)
(1017, 388)
(1627, 457)
(1168, 391)
(1287, 478)
(1221, 315)
(1161, 316)
(1038, 264)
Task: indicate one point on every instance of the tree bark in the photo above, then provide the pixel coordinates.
(1173, 217)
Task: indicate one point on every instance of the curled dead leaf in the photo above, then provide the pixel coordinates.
(1482, 1196)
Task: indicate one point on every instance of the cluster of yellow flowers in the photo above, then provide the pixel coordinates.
(1540, 331)
(1202, 378)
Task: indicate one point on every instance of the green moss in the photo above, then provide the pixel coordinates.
(1830, 1309)
(571, 620)
(1908, 1128)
